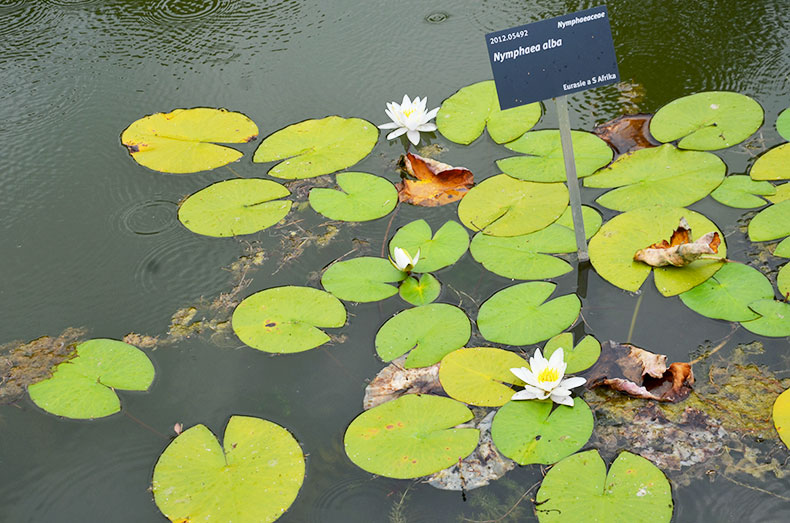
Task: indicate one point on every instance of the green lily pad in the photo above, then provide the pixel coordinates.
(781, 416)
(317, 147)
(362, 279)
(578, 357)
(774, 164)
(181, 141)
(612, 249)
(463, 116)
(504, 206)
(783, 280)
(420, 292)
(783, 124)
(527, 257)
(771, 223)
(520, 314)
(782, 193)
(480, 375)
(256, 477)
(661, 175)
(727, 294)
(437, 251)
(363, 197)
(774, 321)
(741, 192)
(234, 207)
(430, 332)
(411, 436)
(287, 319)
(707, 121)
(783, 249)
(84, 386)
(529, 431)
(544, 161)
(579, 489)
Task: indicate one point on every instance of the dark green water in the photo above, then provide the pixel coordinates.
(90, 239)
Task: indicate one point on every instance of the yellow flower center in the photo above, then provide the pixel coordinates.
(548, 374)
(408, 112)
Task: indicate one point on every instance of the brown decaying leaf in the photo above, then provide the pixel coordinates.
(436, 183)
(680, 250)
(394, 381)
(627, 133)
(640, 373)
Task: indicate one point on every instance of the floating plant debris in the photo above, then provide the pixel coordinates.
(679, 251)
(627, 133)
(434, 183)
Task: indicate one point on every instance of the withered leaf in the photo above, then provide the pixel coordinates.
(436, 183)
(394, 381)
(680, 250)
(640, 373)
(627, 133)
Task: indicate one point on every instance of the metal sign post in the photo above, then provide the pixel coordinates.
(570, 172)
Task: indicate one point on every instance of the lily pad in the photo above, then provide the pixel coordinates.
(658, 176)
(411, 436)
(707, 121)
(727, 294)
(774, 164)
(362, 279)
(527, 257)
(287, 319)
(465, 114)
(781, 416)
(420, 292)
(771, 223)
(520, 314)
(782, 193)
(783, 124)
(612, 249)
(362, 197)
(234, 207)
(480, 375)
(741, 192)
(774, 321)
(504, 206)
(783, 249)
(529, 431)
(436, 251)
(783, 281)
(84, 386)
(579, 489)
(544, 161)
(579, 357)
(256, 477)
(430, 332)
(185, 140)
(317, 147)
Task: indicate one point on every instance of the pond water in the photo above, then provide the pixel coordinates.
(90, 238)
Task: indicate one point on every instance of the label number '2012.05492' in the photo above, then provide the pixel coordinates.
(509, 36)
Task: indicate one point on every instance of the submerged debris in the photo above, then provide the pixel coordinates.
(394, 381)
(627, 133)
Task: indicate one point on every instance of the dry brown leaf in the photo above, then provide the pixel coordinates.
(394, 381)
(627, 133)
(436, 183)
(680, 250)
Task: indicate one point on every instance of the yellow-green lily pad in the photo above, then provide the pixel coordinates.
(480, 375)
(771, 223)
(437, 251)
(362, 197)
(577, 357)
(783, 124)
(420, 291)
(727, 294)
(774, 164)
(781, 416)
(774, 320)
(741, 192)
(362, 279)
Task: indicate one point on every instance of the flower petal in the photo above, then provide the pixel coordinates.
(414, 136)
(525, 375)
(426, 127)
(390, 125)
(562, 400)
(575, 381)
(524, 395)
(430, 115)
(397, 132)
(557, 358)
(406, 102)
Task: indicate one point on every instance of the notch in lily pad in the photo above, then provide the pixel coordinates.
(437, 251)
(362, 197)
(84, 386)
(420, 291)
(577, 357)
(727, 294)
(742, 192)
(363, 279)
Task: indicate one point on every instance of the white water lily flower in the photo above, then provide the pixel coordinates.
(403, 261)
(410, 118)
(544, 380)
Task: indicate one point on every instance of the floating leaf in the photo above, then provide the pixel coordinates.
(627, 133)
(781, 416)
(782, 193)
(774, 164)
(679, 251)
(579, 357)
(287, 319)
(420, 292)
(517, 315)
(771, 223)
(504, 206)
(544, 161)
(741, 192)
(658, 176)
(529, 431)
(579, 489)
(436, 183)
(783, 124)
(411, 436)
(429, 332)
(612, 250)
(437, 251)
(316, 147)
(480, 375)
(783, 281)
(362, 197)
(362, 279)
(783, 249)
(727, 294)
(465, 114)
(526, 257)
(181, 141)
(234, 207)
(84, 386)
(774, 321)
(256, 477)
(707, 121)
(394, 381)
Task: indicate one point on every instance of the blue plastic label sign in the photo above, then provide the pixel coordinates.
(553, 57)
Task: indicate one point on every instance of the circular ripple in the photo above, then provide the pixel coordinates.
(168, 11)
(437, 18)
(18, 19)
(70, 3)
(149, 217)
